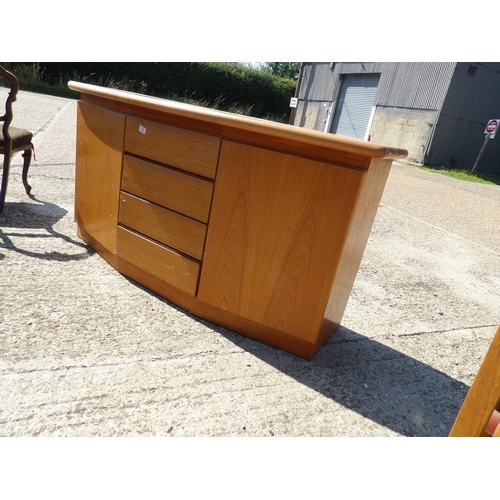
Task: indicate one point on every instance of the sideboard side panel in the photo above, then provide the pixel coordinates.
(361, 226)
(99, 149)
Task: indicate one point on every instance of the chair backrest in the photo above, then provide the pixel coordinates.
(14, 88)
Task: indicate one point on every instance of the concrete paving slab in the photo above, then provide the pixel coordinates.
(85, 351)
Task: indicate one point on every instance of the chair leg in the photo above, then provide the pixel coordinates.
(5, 179)
(26, 166)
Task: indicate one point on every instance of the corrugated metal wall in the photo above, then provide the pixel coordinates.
(414, 85)
(472, 99)
(405, 85)
(316, 83)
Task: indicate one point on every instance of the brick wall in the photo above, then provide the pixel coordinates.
(403, 128)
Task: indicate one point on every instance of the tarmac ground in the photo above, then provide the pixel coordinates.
(85, 351)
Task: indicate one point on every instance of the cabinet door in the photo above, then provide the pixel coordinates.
(277, 230)
(99, 149)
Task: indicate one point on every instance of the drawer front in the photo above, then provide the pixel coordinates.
(170, 228)
(158, 260)
(183, 193)
(184, 149)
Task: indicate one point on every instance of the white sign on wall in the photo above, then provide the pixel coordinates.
(293, 102)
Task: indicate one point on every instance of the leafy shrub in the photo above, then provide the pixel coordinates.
(225, 86)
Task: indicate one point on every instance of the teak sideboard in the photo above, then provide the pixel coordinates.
(256, 226)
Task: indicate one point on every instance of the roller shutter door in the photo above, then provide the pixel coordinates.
(354, 107)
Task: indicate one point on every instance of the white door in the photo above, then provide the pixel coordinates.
(354, 108)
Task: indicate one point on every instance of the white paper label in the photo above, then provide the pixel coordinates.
(142, 129)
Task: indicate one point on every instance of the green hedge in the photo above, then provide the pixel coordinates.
(226, 86)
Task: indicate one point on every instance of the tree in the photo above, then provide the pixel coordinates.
(283, 69)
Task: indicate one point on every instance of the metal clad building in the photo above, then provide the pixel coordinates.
(437, 111)
(473, 98)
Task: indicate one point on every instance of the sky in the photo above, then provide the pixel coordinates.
(208, 31)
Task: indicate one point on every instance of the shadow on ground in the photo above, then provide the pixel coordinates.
(376, 381)
(36, 220)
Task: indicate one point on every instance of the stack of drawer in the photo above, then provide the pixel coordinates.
(166, 192)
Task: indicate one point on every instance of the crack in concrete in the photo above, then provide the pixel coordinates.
(414, 334)
(171, 360)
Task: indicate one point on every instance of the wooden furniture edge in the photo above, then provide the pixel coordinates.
(483, 396)
(360, 226)
(237, 123)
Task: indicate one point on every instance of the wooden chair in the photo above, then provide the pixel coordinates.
(480, 412)
(13, 139)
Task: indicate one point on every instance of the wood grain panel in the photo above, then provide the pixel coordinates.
(184, 149)
(183, 193)
(361, 225)
(277, 230)
(99, 146)
(158, 260)
(483, 396)
(170, 228)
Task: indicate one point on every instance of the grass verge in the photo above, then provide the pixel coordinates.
(466, 176)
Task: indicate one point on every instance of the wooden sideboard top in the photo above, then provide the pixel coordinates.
(239, 127)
